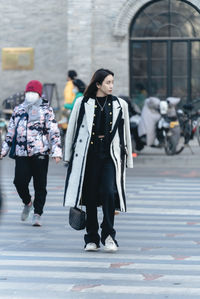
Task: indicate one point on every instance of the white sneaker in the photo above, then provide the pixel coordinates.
(110, 245)
(26, 211)
(91, 247)
(36, 220)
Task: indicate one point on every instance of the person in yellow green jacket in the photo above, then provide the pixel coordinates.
(69, 95)
(79, 88)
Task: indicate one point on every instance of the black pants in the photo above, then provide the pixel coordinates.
(99, 189)
(25, 169)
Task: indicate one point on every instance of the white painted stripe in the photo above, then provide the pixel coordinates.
(132, 201)
(186, 203)
(85, 264)
(37, 286)
(191, 224)
(111, 276)
(99, 289)
(144, 290)
(168, 196)
(150, 242)
(92, 255)
(178, 187)
(99, 275)
(131, 226)
(37, 257)
(163, 211)
(147, 235)
(167, 192)
(131, 209)
(135, 210)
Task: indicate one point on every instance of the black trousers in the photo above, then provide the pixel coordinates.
(35, 167)
(99, 189)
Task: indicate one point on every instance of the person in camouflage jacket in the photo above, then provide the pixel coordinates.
(37, 137)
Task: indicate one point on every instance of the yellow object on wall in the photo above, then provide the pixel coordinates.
(17, 58)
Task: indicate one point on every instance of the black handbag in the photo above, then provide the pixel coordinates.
(77, 218)
(12, 153)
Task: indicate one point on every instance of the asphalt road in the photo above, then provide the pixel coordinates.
(159, 238)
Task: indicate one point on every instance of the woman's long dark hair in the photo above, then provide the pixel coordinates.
(98, 77)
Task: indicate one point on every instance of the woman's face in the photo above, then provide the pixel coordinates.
(106, 87)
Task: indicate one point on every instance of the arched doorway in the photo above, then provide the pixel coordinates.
(165, 50)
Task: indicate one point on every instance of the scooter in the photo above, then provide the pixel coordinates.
(157, 126)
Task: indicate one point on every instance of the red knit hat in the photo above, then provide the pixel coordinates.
(34, 86)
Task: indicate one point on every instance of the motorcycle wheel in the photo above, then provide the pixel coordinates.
(170, 145)
(181, 145)
(174, 144)
(3, 132)
(198, 130)
(0, 141)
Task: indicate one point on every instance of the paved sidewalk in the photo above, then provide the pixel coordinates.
(153, 157)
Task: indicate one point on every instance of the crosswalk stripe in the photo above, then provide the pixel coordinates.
(158, 236)
(103, 289)
(37, 266)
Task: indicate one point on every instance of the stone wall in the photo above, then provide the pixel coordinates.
(43, 26)
(64, 34)
(91, 43)
(68, 34)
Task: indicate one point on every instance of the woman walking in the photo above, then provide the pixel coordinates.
(98, 149)
(37, 135)
(79, 87)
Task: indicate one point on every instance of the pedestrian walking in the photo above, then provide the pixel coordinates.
(79, 88)
(98, 150)
(69, 94)
(36, 134)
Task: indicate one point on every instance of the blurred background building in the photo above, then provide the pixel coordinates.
(152, 46)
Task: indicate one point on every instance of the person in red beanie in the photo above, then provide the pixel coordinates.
(34, 86)
(34, 134)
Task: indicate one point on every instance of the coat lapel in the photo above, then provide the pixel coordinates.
(116, 110)
(89, 112)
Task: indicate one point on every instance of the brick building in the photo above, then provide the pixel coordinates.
(152, 46)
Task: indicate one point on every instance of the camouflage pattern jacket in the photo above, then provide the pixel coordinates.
(33, 137)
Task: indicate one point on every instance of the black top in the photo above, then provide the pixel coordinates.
(102, 124)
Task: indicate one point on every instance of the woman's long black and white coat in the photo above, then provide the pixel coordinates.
(77, 152)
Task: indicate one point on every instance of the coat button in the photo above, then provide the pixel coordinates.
(110, 113)
(80, 140)
(82, 126)
(76, 155)
(109, 104)
(93, 133)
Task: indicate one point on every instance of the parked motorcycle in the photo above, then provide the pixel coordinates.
(157, 126)
(6, 112)
(3, 129)
(189, 119)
